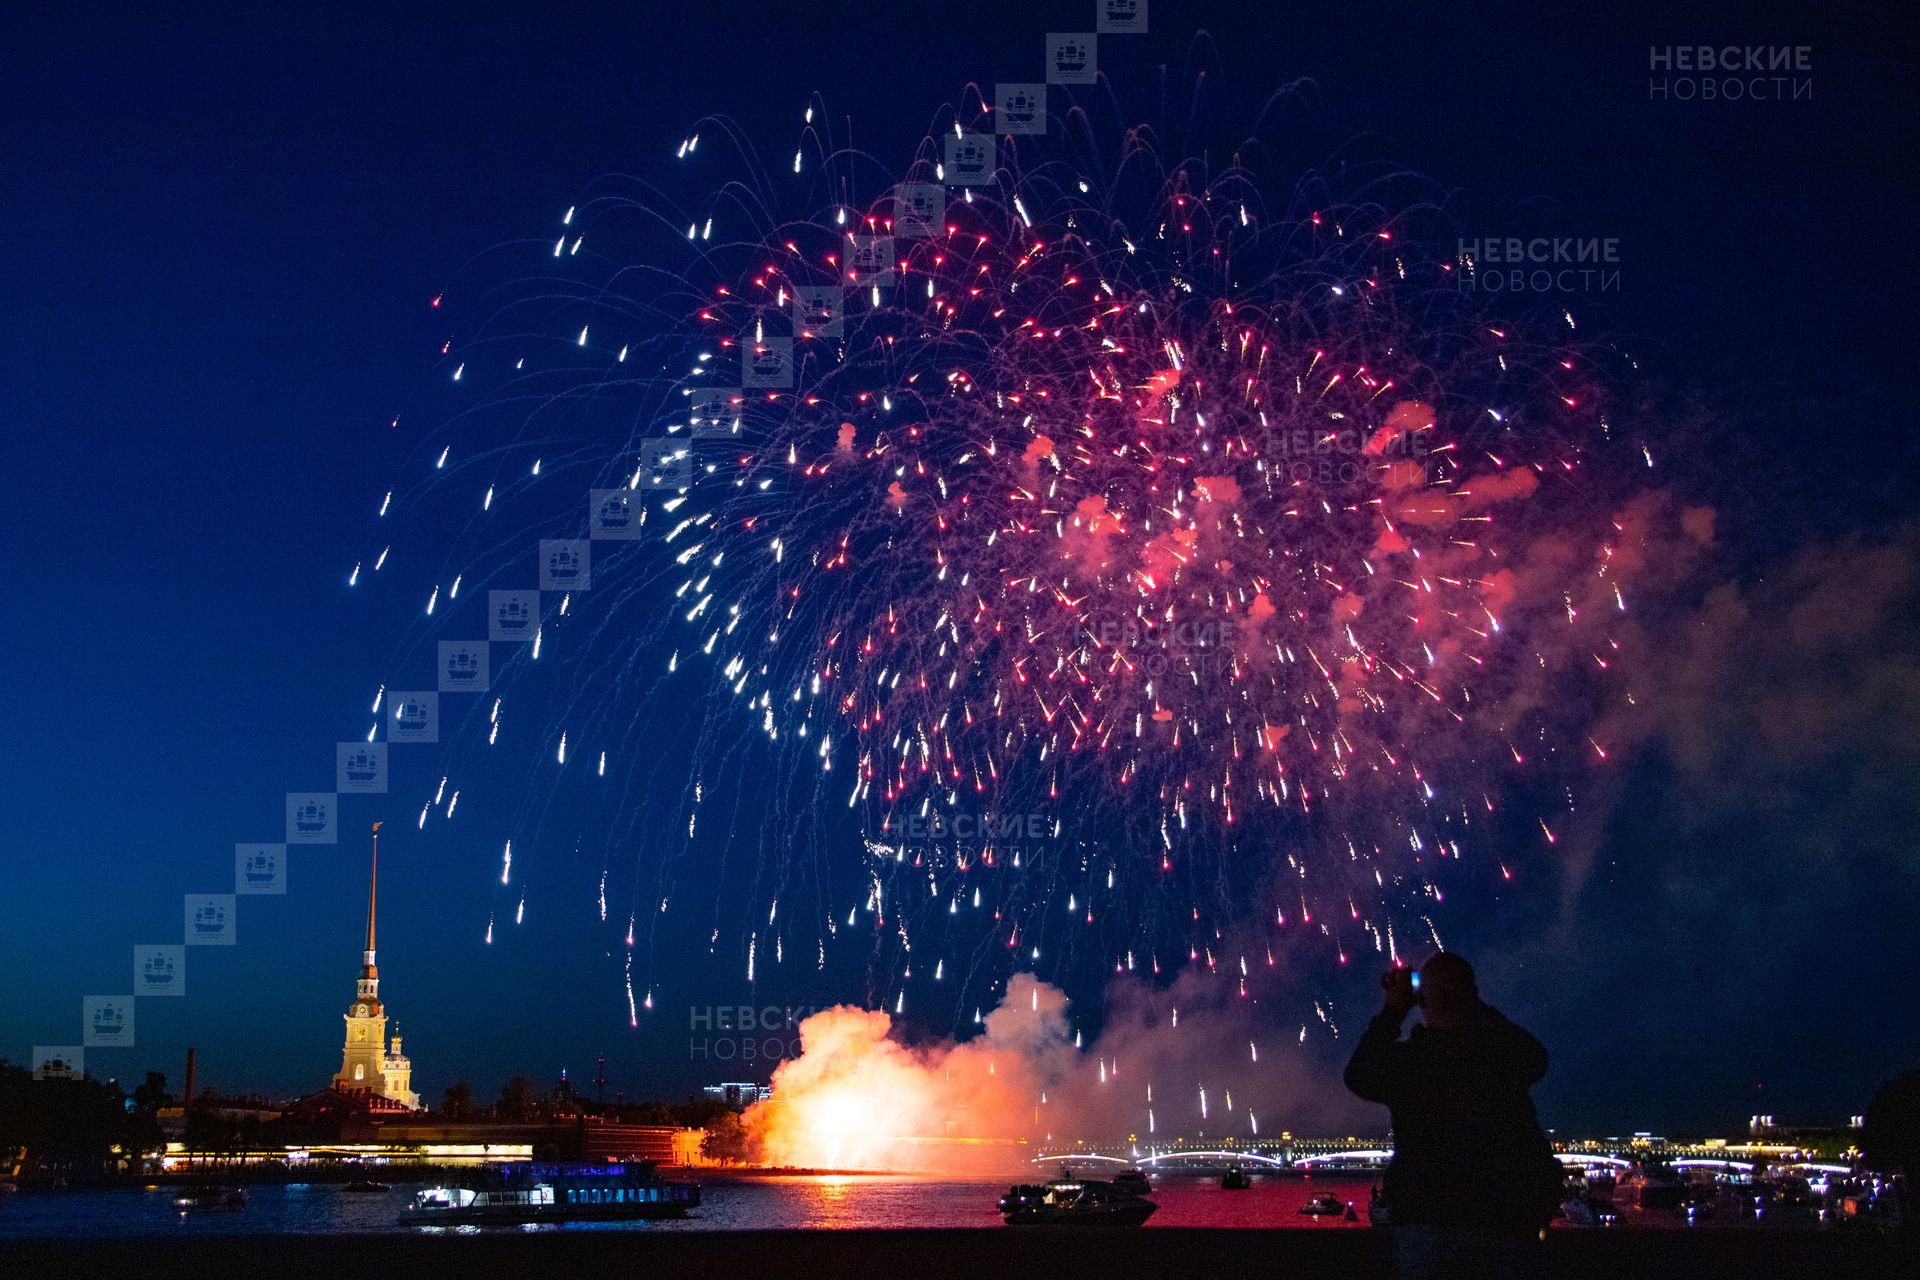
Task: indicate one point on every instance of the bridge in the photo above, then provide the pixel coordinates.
(1203, 1159)
(1280, 1156)
(1358, 1158)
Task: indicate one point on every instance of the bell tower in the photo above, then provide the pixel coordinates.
(364, 1062)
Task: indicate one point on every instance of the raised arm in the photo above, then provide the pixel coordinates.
(1379, 1060)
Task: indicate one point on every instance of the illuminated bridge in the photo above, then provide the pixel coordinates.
(1329, 1157)
(1198, 1156)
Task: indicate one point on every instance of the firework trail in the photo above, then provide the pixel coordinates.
(1018, 559)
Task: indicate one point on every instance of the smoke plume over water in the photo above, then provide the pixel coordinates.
(1189, 1061)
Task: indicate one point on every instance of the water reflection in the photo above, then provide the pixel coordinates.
(730, 1202)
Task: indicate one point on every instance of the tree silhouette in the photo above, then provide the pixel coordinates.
(517, 1100)
(457, 1102)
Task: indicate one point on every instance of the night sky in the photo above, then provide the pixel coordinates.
(222, 235)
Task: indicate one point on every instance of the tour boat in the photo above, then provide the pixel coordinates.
(555, 1193)
(1323, 1206)
(1070, 1201)
(211, 1199)
(1134, 1180)
(1656, 1188)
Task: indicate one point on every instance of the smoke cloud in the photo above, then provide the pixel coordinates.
(1193, 1060)
(1759, 777)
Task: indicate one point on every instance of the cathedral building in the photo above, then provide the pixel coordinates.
(367, 1064)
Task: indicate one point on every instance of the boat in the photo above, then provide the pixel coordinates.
(1323, 1206)
(1070, 1201)
(366, 1186)
(519, 1193)
(211, 1199)
(1134, 1180)
(1235, 1180)
(1377, 1211)
(1657, 1189)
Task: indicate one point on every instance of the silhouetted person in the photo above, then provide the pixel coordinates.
(1472, 1182)
(1890, 1144)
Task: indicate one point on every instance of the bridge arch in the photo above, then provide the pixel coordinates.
(1584, 1159)
(1373, 1154)
(1247, 1157)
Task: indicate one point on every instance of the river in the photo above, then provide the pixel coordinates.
(729, 1202)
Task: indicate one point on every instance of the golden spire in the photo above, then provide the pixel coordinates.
(373, 897)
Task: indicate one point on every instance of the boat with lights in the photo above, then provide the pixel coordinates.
(520, 1193)
(1071, 1201)
(1323, 1206)
(211, 1199)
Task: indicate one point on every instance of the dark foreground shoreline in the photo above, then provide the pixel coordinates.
(1154, 1254)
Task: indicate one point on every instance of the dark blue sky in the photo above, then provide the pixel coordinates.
(222, 232)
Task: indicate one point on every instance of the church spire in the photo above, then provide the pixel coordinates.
(373, 897)
(366, 1064)
(369, 985)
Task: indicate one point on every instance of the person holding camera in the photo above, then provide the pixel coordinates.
(1473, 1181)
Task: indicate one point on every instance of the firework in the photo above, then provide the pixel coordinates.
(1124, 556)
